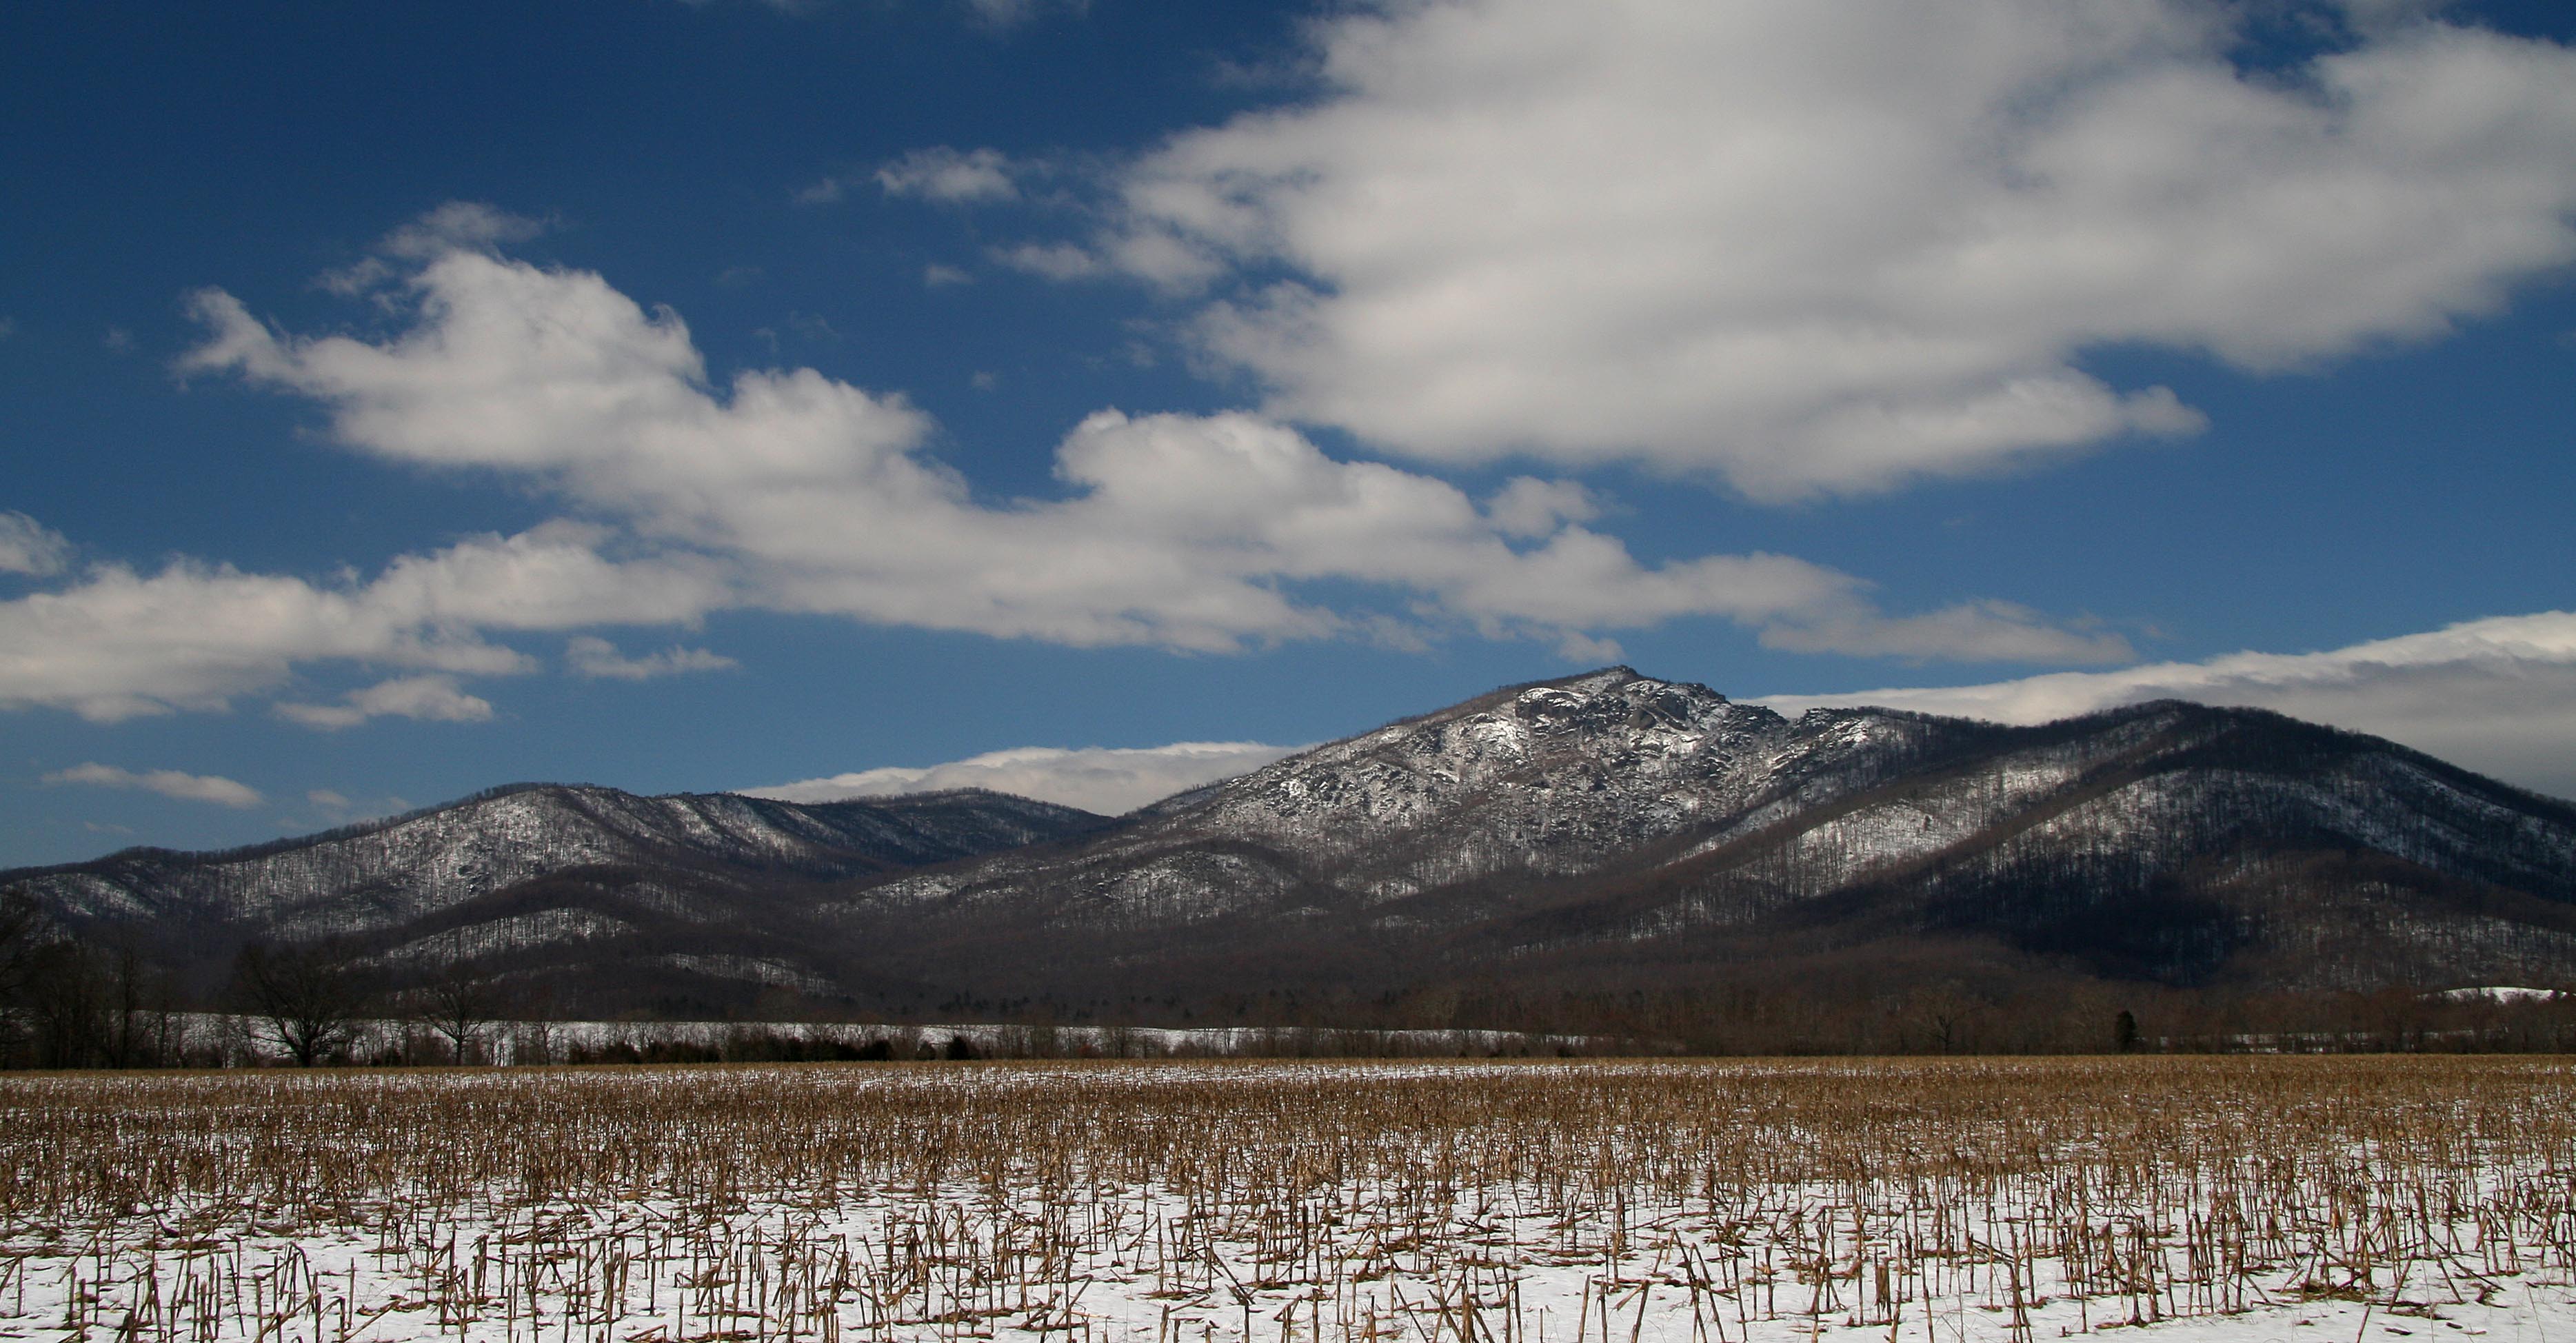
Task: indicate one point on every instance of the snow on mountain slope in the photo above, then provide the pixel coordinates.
(380, 875)
(1611, 809)
(1592, 827)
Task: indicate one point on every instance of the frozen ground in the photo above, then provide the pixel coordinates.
(2289, 1201)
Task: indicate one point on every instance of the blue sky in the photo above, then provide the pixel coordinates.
(402, 399)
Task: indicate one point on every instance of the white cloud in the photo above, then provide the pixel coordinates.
(1055, 261)
(794, 492)
(117, 643)
(2370, 16)
(1527, 506)
(1972, 631)
(167, 782)
(595, 657)
(432, 698)
(1108, 780)
(949, 176)
(458, 225)
(937, 276)
(29, 547)
(1006, 14)
(996, 15)
(339, 808)
(824, 191)
(1838, 244)
(454, 226)
(2495, 695)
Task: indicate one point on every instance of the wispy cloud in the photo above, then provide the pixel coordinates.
(454, 226)
(1108, 780)
(950, 176)
(172, 783)
(30, 547)
(1003, 15)
(1054, 261)
(432, 698)
(2495, 695)
(996, 16)
(940, 174)
(597, 658)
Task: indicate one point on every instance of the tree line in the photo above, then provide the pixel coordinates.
(68, 1001)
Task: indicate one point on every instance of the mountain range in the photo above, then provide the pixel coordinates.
(1605, 836)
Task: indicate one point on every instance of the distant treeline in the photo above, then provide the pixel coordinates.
(71, 1002)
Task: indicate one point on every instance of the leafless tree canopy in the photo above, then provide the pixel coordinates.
(306, 994)
(459, 1002)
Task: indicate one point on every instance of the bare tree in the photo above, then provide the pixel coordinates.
(21, 932)
(460, 1002)
(22, 928)
(68, 1005)
(306, 994)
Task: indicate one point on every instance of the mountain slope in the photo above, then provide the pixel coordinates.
(548, 876)
(1610, 828)
(1608, 834)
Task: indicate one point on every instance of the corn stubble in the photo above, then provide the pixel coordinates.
(1939, 1202)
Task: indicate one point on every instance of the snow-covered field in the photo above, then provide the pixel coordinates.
(2297, 1200)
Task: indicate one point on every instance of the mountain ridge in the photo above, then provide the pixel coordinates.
(1764, 782)
(1603, 831)
(548, 865)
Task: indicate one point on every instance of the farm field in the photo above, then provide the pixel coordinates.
(2294, 1199)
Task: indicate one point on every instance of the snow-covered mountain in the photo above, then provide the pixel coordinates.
(1607, 834)
(544, 874)
(1612, 825)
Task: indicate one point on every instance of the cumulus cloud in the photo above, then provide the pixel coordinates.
(1527, 506)
(1834, 245)
(1108, 780)
(29, 547)
(117, 643)
(595, 657)
(2495, 695)
(432, 698)
(792, 492)
(795, 492)
(213, 788)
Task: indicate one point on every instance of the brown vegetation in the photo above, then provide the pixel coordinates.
(1230, 1201)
